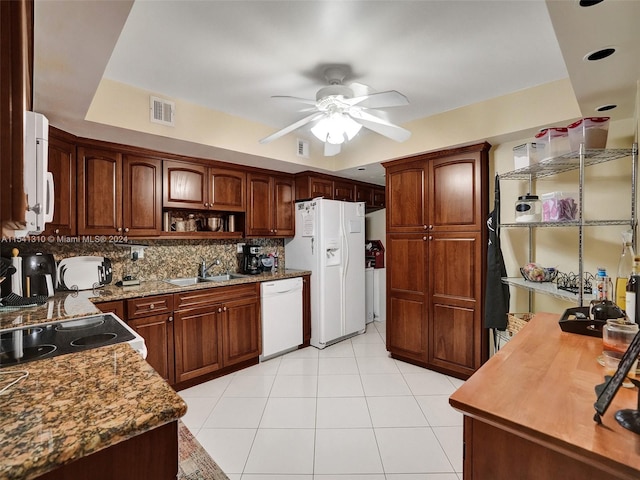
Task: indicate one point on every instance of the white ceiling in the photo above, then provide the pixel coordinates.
(232, 56)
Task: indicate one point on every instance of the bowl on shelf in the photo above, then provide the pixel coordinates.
(535, 273)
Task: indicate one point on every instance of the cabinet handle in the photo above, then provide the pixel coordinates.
(151, 306)
(219, 310)
(275, 231)
(206, 204)
(170, 318)
(56, 231)
(430, 237)
(126, 229)
(119, 229)
(424, 238)
(425, 227)
(430, 227)
(224, 309)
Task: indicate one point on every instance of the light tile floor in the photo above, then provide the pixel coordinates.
(347, 412)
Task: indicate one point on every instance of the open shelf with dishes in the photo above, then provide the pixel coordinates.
(565, 163)
(186, 224)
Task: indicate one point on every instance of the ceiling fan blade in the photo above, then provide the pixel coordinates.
(306, 101)
(292, 127)
(380, 126)
(331, 149)
(390, 98)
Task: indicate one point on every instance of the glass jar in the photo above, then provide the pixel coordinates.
(618, 334)
(528, 208)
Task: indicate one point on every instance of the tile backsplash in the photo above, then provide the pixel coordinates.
(162, 258)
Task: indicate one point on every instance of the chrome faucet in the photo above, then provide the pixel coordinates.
(202, 271)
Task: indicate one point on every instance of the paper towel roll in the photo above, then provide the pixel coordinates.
(16, 278)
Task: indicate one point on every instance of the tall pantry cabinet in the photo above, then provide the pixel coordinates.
(437, 206)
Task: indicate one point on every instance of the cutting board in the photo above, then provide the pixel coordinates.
(84, 272)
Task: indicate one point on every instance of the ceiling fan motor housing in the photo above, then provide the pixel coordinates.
(334, 90)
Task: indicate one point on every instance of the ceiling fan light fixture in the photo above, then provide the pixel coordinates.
(336, 128)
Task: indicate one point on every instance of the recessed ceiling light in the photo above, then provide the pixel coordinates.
(600, 54)
(589, 3)
(604, 108)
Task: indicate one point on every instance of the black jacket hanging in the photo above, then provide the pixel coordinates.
(496, 303)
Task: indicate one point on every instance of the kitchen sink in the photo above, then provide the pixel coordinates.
(188, 281)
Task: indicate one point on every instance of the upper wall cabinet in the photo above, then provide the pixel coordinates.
(62, 164)
(118, 196)
(312, 185)
(199, 187)
(270, 203)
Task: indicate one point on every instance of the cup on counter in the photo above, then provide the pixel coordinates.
(618, 334)
(612, 361)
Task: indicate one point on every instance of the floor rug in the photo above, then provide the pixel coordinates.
(194, 463)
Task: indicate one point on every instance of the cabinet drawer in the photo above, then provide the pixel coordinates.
(144, 306)
(209, 296)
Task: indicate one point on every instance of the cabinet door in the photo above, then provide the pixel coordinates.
(142, 196)
(455, 201)
(320, 187)
(406, 198)
(157, 331)
(284, 209)
(99, 192)
(116, 307)
(197, 342)
(241, 331)
(455, 293)
(260, 211)
(344, 191)
(226, 190)
(379, 199)
(364, 194)
(407, 296)
(62, 164)
(184, 185)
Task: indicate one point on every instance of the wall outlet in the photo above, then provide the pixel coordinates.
(137, 253)
(239, 247)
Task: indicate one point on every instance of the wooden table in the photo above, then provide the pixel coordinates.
(529, 412)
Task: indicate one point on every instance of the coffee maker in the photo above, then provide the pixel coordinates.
(251, 264)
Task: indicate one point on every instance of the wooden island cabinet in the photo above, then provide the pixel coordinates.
(528, 412)
(436, 246)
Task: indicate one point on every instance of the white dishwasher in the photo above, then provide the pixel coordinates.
(281, 305)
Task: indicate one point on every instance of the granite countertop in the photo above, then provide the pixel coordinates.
(67, 305)
(95, 399)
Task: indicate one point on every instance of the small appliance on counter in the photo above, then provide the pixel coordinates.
(251, 261)
(37, 276)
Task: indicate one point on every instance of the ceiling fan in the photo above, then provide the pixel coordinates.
(340, 111)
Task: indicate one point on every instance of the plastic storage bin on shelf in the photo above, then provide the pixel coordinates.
(552, 142)
(525, 155)
(560, 207)
(592, 131)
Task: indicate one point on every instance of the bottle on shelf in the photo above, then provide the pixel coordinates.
(603, 288)
(625, 266)
(633, 292)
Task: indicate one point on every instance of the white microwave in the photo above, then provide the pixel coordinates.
(38, 181)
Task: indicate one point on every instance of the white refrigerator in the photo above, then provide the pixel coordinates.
(330, 242)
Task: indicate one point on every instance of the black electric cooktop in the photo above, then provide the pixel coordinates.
(59, 338)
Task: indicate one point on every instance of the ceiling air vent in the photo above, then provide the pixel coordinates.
(162, 111)
(303, 148)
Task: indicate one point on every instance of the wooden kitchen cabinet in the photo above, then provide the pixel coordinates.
(118, 196)
(196, 186)
(270, 200)
(62, 164)
(215, 329)
(117, 307)
(344, 190)
(436, 249)
(152, 318)
(311, 186)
